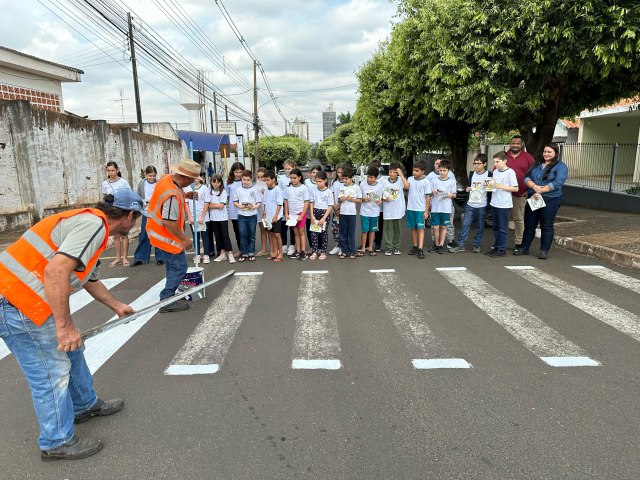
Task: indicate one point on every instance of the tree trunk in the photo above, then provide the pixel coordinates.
(458, 140)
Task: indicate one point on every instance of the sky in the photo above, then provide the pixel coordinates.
(309, 50)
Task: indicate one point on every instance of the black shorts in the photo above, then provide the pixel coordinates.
(276, 227)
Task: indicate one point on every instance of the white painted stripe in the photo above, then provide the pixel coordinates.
(612, 276)
(316, 342)
(315, 272)
(212, 338)
(247, 274)
(570, 361)
(451, 269)
(192, 369)
(303, 364)
(614, 316)
(384, 270)
(410, 317)
(536, 336)
(101, 347)
(520, 267)
(435, 363)
(76, 302)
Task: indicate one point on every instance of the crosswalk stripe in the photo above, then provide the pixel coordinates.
(624, 281)
(408, 314)
(543, 341)
(101, 347)
(76, 302)
(614, 316)
(316, 342)
(206, 348)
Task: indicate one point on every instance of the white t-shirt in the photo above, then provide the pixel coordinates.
(218, 198)
(440, 202)
(283, 182)
(295, 197)
(418, 189)
(347, 207)
(110, 187)
(272, 198)
(203, 197)
(249, 195)
(394, 208)
(262, 187)
(335, 188)
(502, 198)
(231, 188)
(370, 208)
(148, 190)
(322, 199)
(311, 186)
(433, 175)
(478, 193)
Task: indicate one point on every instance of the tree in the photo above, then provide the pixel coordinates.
(344, 118)
(274, 151)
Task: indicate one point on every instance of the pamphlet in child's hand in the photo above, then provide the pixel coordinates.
(267, 223)
(316, 227)
(536, 203)
(292, 222)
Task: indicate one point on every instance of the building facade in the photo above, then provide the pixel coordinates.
(300, 129)
(328, 121)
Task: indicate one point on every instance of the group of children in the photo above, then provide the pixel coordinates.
(293, 213)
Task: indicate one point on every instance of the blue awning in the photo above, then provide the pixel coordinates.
(209, 142)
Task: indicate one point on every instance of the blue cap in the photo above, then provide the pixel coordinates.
(127, 199)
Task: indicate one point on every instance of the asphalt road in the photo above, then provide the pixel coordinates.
(509, 415)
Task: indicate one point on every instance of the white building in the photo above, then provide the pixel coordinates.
(300, 129)
(328, 121)
(25, 77)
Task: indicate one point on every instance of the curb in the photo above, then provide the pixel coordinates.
(624, 259)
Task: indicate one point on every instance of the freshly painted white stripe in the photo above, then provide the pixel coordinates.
(451, 269)
(536, 336)
(212, 338)
(520, 267)
(247, 274)
(383, 270)
(612, 276)
(570, 361)
(302, 364)
(316, 342)
(101, 347)
(434, 363)
(410, 317)
(192, 369)
(614, 316)
(314, 272)
(76, 302)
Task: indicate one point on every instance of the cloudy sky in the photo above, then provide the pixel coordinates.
(309, 50)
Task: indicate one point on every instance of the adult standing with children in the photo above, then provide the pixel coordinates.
(145, 190)
(545, 182)
(115, 182)
(519, 161)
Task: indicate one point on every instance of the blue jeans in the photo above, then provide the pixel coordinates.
(61, 384)
(247, 228)
(143, 250)
(471, 215)
(348, 234)
(203, 241)
(545, 216)
(500, 218)
(176, 267)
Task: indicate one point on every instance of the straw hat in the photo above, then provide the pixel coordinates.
(187, 168)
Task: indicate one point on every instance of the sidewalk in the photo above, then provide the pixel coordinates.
(609, 236)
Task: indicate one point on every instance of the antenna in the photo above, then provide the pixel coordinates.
(121, 100)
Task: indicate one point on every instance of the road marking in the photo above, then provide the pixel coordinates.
(316, 341)
(612, 276)
(101, 347)
(384, 270)
(409, 313)
(247, 274)
(535, 335)
(614, 316)
(76, 302)
(520, 267)
(315, 272)
(205, 349)
(451, 269)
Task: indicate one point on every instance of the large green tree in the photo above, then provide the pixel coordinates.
(273, 151)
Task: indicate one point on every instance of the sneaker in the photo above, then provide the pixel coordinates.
(413, 250)
(498, 253)
(291, 250)
(377, 248)
(461, 249)
(206, 259)
(543, 255)
(434, 248)
(476, 249)
(441, 250)
(420, 253)
(334, 251)
(101, 408)
(520, 252)
(177, 306)
(72, 449)
(232, 259)
(293, 255)
(222, 257)
(397, 252)
(303, 256)
(196, 259)
(452, 246)
(388, 253)
(490, 251)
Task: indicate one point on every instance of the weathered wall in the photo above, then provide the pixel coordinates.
(52, 161)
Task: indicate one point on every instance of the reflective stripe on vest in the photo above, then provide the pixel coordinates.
(23, 264)
(159, 235)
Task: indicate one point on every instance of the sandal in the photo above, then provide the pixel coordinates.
(242, 259)
(277, 260)
(342, 256)
(322, 256)
(252, 259)
(115, 263)
(360, 253)
(372, 253)
(125, 263)
(261, 254)
(313, 256)
(353, 257)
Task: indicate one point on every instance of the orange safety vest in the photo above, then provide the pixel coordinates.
(22, 266)
(159, 236)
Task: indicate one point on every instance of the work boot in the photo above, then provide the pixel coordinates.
(73, 449)
(177, 306)
(101, 408)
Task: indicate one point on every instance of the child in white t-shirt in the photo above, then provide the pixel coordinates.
(273, 200)
(196, 216)
(296, 204)
(247, 200)
(443, 189)
(393, 206)
(503, 182)
(476, 207)
(218, 219)
(417, 205)
(348, 197)
(115, 182)
(262, 187)
(321, 206)
(370, 210)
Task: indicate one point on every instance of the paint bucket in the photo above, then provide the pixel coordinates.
(193, 278)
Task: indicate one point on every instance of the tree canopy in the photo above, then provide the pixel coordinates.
(273, 151)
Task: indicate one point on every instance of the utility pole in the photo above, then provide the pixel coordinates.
(215, 110)
(135, 73)
(226, 113)
(256, 123)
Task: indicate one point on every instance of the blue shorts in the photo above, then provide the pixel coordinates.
(368, 224)
(415, 219)
(440, 219)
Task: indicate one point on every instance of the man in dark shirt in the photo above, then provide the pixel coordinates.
(519, 160)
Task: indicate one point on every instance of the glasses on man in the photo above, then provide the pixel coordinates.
(477, 163)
